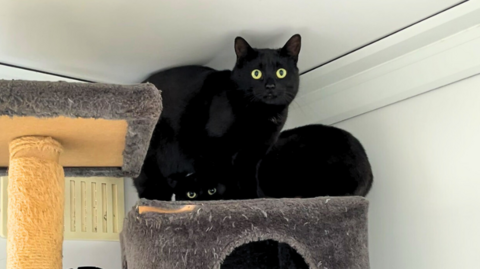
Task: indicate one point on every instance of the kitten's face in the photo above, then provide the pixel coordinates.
(189, 187)
(266, 75)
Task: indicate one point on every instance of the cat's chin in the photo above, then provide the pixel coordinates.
(275, 100)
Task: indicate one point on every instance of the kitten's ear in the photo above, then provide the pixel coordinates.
(242, 48)
(172, 182)
(292, 47)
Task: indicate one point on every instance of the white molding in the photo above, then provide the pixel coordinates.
(9, 73)
(433, 53)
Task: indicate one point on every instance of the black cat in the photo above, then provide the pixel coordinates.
(219, 124)
(190, 187)
(164, 164)
(315, 160)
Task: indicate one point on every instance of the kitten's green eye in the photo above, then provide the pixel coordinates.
(281, 73)
(191, 194)
(256, 74)
(212, 191)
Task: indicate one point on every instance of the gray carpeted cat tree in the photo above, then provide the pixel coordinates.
(326, 232)
(104, 130)
(49, 129)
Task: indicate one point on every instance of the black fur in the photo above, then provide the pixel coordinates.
(219, 124)
(268, 254)
(315, 160)
(190, 187)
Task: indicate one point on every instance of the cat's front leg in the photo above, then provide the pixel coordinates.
(246, 161)
(245, 171)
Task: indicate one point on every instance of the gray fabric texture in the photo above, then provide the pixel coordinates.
(140, 105)
(326, 232)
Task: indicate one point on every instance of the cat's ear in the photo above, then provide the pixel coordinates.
(172, 182)
(242, 48)
(292, 47)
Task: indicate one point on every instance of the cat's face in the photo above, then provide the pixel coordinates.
(190, 187)
(267, 76)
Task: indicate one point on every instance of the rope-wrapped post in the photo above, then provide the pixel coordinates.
(36, 189)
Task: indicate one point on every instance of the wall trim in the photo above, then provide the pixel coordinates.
(9, 72)
(436, 52)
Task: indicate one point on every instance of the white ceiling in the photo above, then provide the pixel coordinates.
(121, 41)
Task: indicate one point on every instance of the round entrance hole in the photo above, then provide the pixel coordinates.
(269, 254)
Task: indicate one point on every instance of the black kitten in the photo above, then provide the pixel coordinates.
(315, 160)
(218, 123)
(190, 187)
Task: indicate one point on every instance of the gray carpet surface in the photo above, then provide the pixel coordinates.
(326, 232)
(140, 105)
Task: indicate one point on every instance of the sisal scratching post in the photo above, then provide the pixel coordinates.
(35, 204)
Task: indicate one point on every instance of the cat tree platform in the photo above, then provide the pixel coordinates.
(52, 129)
(326, 232)
(104, 129)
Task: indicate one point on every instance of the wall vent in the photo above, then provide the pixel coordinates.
(94, 208)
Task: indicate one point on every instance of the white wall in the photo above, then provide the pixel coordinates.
(425, 205)
(125, 41)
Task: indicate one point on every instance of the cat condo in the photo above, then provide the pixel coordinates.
(53, 129)
(324, 232)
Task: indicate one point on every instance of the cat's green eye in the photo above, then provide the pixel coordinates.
(256, 74)
(281, 73)
(191, 194)
(212, 191)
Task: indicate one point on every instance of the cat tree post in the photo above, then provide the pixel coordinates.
(49, 130)
(35, 204)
